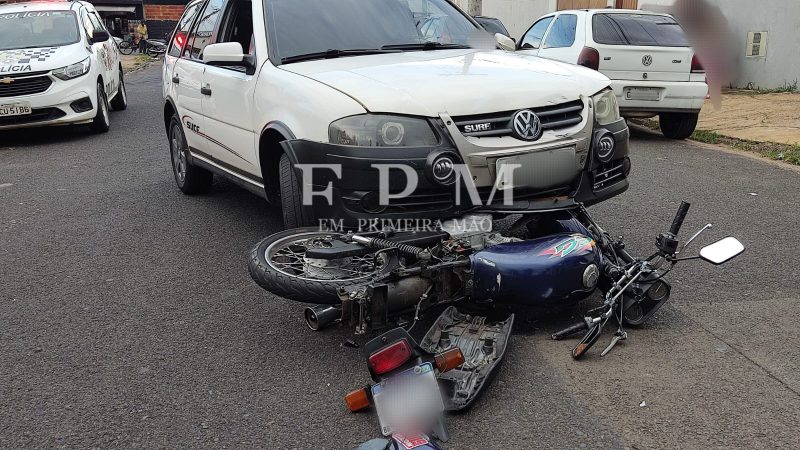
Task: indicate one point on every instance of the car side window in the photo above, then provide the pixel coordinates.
(96, 22)
(203, 32)
(562, 33)
(182, 30)
(533, 38)
(238, 25)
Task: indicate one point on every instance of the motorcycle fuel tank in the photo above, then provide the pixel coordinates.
(550, 270)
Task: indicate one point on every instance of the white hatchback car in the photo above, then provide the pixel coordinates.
(652, 67)
(58, 65)
(256, 91)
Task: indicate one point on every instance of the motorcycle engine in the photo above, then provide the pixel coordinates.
(475, 231)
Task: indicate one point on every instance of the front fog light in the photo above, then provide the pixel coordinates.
(604, 146)
(441, 167)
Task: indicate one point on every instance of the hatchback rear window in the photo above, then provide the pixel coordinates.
(638, 29)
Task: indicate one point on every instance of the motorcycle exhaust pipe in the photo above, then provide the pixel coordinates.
(321, 316)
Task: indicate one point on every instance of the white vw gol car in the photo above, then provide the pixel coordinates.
(652, 67)
(58, 66)
(255, 90)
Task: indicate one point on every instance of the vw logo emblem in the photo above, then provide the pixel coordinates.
(647, 60)
(527, 125)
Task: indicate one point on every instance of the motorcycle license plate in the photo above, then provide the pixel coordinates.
(410, 398)
(15, 109)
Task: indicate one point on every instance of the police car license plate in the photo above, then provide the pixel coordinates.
(410, 396)
(15, 109)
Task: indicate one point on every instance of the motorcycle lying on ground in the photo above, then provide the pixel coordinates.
(370, 280)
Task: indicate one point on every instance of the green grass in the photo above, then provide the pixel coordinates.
(709, 137)
(779, 152)
(787, 88)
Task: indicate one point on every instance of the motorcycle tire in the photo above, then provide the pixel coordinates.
(297, 287)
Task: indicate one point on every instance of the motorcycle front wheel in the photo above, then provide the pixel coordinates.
(279, 265)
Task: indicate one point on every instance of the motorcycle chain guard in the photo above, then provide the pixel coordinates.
(483, 345)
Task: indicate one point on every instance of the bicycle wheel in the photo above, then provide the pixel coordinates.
(125, 47)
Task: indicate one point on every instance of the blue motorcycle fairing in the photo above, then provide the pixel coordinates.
(552, 270)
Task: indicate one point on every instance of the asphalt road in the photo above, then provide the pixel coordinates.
(128, 318)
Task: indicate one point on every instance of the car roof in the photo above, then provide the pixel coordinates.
(613, 11)
(53, 5)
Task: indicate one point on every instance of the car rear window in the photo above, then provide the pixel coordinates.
(638, 29)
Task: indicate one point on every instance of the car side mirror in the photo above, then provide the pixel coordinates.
(505, 42)
(722, 251)
(99, 36)
(228, 54)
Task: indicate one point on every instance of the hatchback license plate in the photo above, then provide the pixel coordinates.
(15, 109)
(647, 94)
(412, 395)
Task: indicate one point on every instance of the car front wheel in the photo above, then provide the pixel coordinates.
(678, 125)
(189, 178)
(102, 121)
(294, 215)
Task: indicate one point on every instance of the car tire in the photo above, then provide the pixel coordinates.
(191, 180)
(294, 215)
(678, 125)
(102, 120)
(120, 101)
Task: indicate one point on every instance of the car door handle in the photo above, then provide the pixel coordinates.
(176, 80)
(205, 90)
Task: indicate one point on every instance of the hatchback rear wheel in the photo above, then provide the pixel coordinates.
(678, 125)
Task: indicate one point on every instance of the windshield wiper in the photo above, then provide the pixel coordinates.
(335, 53)
(431, 45)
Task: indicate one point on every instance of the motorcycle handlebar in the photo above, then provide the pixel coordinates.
(677, 223)
(581, 326)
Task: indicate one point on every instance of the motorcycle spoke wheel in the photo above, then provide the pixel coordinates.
(288, 256)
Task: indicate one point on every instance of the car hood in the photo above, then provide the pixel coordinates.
(457, 82)
(24, 60)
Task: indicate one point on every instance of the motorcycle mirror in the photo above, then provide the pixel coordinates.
(722, 251)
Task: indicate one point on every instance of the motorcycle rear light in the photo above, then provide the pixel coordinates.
(389, 358)
(697, 66)
(590, 58)
(449, 360)
(357, 400)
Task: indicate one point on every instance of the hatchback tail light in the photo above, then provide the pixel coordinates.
(590, 58)
(391, 357)
(697, 66)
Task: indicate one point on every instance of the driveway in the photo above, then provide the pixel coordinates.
(128, 318)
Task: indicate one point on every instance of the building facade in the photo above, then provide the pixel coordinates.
(122, 16)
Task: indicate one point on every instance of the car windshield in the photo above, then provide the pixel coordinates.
(305, 27)
(34, 29)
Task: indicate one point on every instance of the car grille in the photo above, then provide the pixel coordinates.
(36, 115)
(499, 124)
(27, 84)
(607, 175)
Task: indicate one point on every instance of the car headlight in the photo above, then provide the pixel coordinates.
(73, 70)
(606, 109)
(374, 130)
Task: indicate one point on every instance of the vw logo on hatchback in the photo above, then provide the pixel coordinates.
(647, 60)
(527, 125)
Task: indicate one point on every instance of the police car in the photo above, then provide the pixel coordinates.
(58, 65)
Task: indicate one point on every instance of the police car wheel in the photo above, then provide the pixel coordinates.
(102, 121)
(120, 101)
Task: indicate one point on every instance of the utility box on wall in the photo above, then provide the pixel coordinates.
(756, 44)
